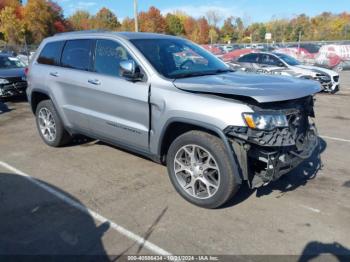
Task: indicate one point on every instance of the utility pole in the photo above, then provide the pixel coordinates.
(136, 16)
(299, 41)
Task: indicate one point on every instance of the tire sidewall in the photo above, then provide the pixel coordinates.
(58, 124)
(227, 186)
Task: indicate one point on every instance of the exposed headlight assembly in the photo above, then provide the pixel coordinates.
(3, 81)
(265, 121)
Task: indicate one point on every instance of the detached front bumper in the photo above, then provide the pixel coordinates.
(264, 156)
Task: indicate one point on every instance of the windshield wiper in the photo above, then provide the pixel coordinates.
(219, 71)
(212, 72)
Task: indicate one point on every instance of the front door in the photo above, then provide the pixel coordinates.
(118, 108)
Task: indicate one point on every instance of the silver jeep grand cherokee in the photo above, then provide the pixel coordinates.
(168, 99)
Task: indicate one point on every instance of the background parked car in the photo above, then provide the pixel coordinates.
(12, 76)
(333, 56)
(282, 64)
(231, 56)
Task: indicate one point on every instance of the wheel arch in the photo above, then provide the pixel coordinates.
(175, 127)
(36, 97)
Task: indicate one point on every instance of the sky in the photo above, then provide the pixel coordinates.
(249, 10)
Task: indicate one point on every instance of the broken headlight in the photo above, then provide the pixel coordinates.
(265, 121)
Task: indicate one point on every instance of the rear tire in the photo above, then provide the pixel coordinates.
(50, 126)
(200, 169)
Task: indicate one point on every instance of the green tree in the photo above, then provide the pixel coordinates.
(105, 19)
(228, 30)
(301, 25)
(152, 21)
(203, 30)
(190, 27)
(174, 25)
(127, 25)
(10, 26)
(213, 35)
(38, 20)
(11, 3)
(80, 20)
(240, 28)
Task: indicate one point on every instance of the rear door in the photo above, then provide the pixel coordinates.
(41, 70)
(119, 108)
(71, 86)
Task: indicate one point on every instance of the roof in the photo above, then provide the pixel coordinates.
(142, 35)
(125, 35)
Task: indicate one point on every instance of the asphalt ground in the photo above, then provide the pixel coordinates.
(90, 198)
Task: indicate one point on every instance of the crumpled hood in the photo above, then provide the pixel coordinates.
(318, 69)
(13, 72)
(262, 88)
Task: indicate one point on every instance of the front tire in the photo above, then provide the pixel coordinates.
(50, 126)
(200, 170)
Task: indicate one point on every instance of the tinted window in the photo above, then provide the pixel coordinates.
(76, 54)
(51, 53)
(250, 58)
(288, 59)
(108, 55)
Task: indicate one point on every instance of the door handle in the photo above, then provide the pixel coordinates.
(55, 74)
(94, 81)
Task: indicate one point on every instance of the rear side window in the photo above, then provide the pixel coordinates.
(251, 58)
(77, 54)
(51, 53)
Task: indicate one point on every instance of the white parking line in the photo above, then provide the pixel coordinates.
(127, 233)
(311, 208)
(336, 139)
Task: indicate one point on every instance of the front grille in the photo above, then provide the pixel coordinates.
(335, 78)
(15, 85)
(13, 89)
(324, 80)
(15, 79)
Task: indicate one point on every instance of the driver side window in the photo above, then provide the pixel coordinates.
(108, 55)
(269, 60)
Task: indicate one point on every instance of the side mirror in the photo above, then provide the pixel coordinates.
(129, 70)
(280, 64)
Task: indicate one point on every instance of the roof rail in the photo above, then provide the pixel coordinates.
(82, 32)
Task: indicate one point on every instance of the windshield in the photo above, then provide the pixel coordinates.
(288, 59)
(7, 62)
(179, 58)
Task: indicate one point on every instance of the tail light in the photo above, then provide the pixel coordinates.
(26, 71)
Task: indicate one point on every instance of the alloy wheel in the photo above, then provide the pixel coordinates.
(197, 172)
(47, 124)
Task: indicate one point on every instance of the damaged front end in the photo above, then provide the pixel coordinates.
(265, 155)
(14, 86)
